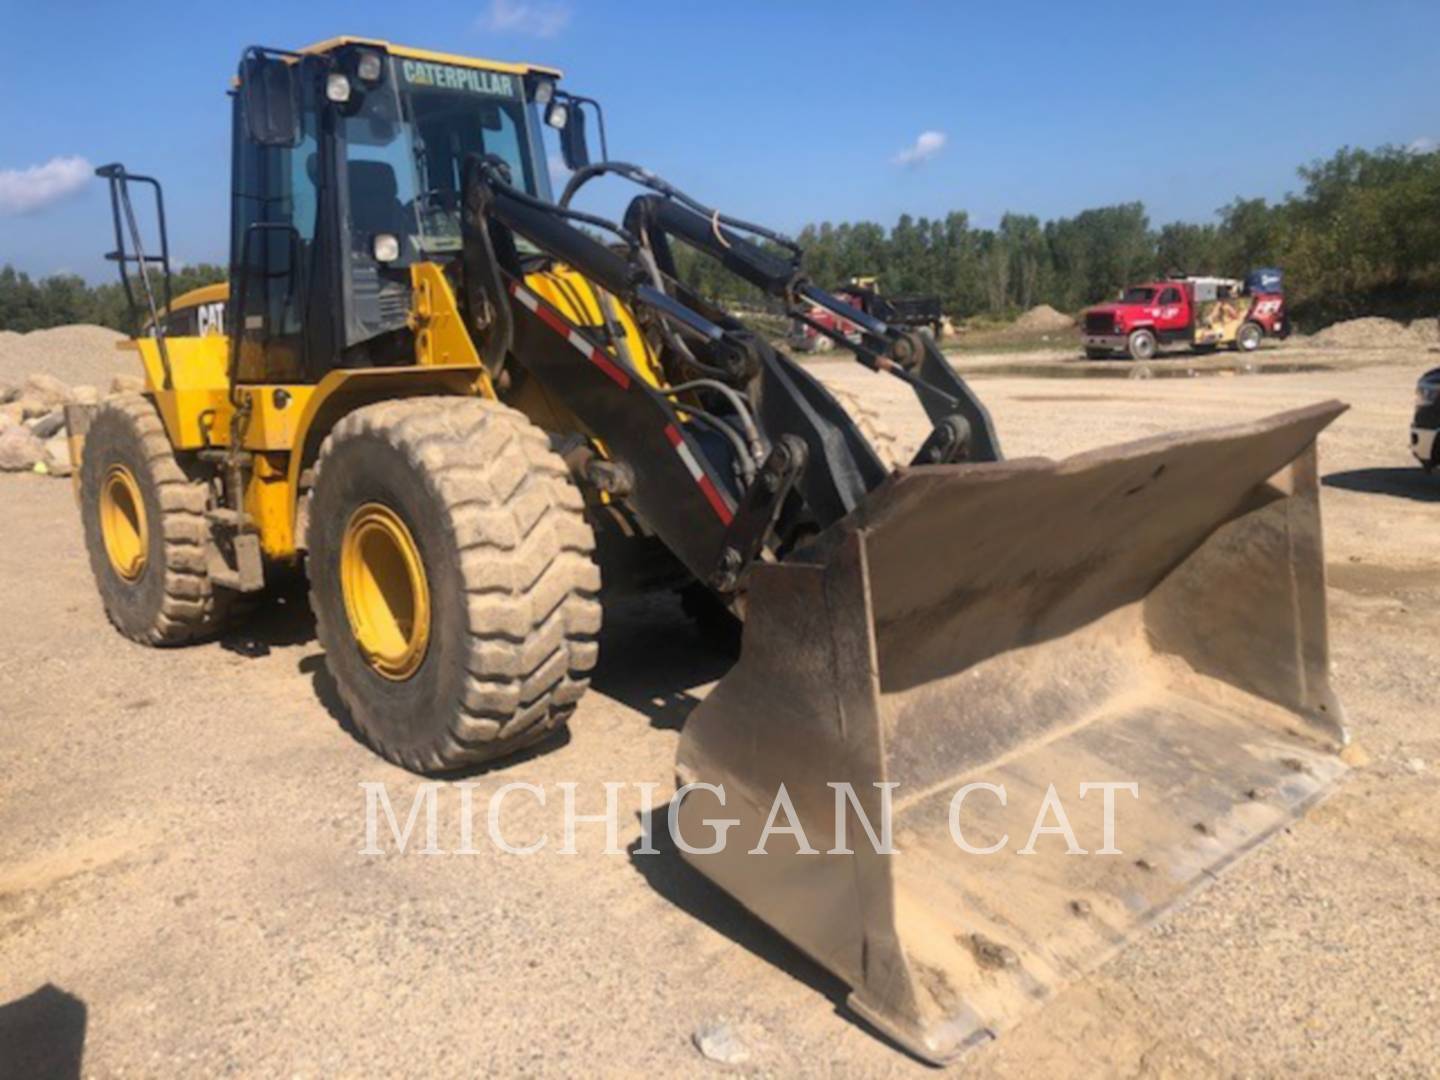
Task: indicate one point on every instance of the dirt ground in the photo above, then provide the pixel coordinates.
(180, 832)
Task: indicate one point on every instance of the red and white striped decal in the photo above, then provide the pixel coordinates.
(565, 330)
(717, 503)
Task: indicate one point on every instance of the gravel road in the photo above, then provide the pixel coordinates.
(182, 889)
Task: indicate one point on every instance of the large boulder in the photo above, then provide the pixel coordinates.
(13, 412)
(48, 390)
(9, 391)
(20, 451)
(86, 395)
(57, 456)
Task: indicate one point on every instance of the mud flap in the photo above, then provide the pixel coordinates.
(1149, 614)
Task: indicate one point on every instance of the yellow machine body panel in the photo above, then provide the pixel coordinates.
(441, 337)
(205, 294)
(581, 301)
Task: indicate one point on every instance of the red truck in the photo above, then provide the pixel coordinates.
(1202, 313)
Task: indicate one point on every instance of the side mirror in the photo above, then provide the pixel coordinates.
(569, 120)
(269, 88)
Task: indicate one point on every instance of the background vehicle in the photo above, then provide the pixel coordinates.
(450, 401)
(1425, 427)
(863, 294)
(1199, 312)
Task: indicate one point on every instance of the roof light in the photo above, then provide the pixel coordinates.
(337, 87)
(544, 91)
(368, 67)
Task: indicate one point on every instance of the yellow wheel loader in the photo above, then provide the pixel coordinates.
(459, 402)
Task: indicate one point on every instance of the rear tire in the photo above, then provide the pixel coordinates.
(1248, 338)
(1141, 345)
(145, 528)
(484, 592)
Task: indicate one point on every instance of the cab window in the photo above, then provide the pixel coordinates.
(454, 112)
(379, 188)
(1170, 296)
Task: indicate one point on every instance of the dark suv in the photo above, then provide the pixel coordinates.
(1426, 425)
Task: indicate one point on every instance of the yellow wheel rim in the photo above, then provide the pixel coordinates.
(122, 523)
(387, 596)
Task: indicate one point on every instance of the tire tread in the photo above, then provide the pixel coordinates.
(525, 555)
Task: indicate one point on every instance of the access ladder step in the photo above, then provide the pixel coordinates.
(248, 573)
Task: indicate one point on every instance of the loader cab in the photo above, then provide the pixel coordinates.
(347, 166)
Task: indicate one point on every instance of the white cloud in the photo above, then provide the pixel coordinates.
(23, 191)
(926, 145)
(542, 20)
(1425, 144)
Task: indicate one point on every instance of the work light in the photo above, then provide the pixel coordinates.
(368, 67)
(386, 247)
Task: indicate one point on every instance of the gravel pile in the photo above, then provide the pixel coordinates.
(1043, 319)
(1372, 332)
(77, 354)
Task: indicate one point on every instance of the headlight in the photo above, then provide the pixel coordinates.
(1427, 393)
(337, 87)
(386, 247)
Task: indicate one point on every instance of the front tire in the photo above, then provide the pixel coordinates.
(452, 579)
(1141, 345)
(145, 528)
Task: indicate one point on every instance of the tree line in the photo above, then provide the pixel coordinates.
(28, 304)
(1362, 237)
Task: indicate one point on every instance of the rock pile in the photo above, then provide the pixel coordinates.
(43, 371)
(32, 419)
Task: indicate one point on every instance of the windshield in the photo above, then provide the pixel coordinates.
(1138, 294)
(452, 112)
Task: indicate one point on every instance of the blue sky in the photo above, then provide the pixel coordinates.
(780, 112)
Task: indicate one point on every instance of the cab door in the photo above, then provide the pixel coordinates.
(1173, 313)
(276, 269)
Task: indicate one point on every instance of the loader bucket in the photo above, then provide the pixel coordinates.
(1152, 613)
